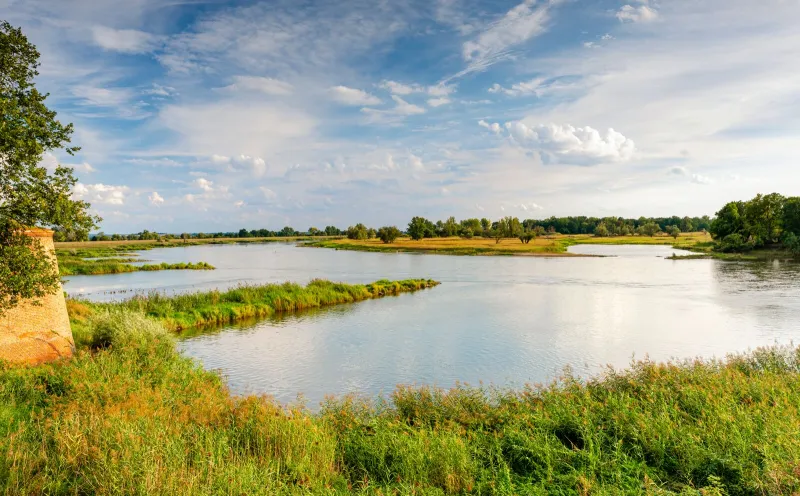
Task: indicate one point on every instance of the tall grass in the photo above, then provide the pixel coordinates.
(183, 311)
(129, 415)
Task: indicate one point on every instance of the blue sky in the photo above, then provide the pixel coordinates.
(215, 115)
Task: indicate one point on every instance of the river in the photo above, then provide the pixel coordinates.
(504, 321)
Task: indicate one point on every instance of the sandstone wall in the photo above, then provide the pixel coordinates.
(35, 334)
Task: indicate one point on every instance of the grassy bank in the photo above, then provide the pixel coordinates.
(129, 415)
(112, 260)
(219, 307)
(128, 245)
(547, 246)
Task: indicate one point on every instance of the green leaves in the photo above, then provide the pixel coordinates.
(29, 194)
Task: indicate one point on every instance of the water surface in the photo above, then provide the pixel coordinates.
(498, 320)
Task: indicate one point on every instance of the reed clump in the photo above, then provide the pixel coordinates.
(130, 415)
(183, 311)
(113, 260)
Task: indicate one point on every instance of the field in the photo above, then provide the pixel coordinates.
(546, 246)
(130, 415)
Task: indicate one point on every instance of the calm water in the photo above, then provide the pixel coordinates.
(498, 320)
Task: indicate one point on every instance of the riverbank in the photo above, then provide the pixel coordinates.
(130, 415)
(545, 246)
(184, 311)
(128, 245)
(113, 260)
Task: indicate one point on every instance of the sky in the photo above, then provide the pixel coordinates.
(212, 115)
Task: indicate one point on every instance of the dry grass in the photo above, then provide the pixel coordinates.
(546, 246)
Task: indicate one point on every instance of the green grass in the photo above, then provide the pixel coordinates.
(185, 311)
(129, 415)
(113, 260)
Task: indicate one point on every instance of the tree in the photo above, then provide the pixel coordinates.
(486, 225)
(388, 234)
(420, 227)
(30, 195)
(313, 231)
(185, 237)
(287, 231)
(762, 218)
(687, 225)
(728, 220)
(244, 233)
(649, 229)
(332, 231)
(507, 227)
(791, 215)
(601, 231)
(674, 231)
(358, 231)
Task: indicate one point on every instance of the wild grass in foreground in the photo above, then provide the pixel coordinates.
(129, 415)
(219, 307)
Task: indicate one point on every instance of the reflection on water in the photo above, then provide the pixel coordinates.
(500, 320)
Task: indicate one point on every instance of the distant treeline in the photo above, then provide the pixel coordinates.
(424, 228)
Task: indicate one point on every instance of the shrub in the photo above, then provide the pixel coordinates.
(734, 243)
(388, 234)
(792, 243)
(359, 231)
(122, 328)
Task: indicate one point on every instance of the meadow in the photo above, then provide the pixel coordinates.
(112, 260)
(130, 415)
(543, 246)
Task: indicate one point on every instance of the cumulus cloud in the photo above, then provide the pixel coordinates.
(100, 193)
(415, 162)
(159, 90)
(530, 206)
(581, 145)
(155, 199)
(353, 96)
(639, 13)
(494, 127)
(265, 85)
(700, 179)
(124, 40)
(204, 184)
(239, 204)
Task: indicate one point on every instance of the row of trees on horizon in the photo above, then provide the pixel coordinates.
(420, 228)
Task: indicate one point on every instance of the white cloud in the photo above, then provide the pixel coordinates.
(700, 179)
(50, 162)
(415, 162)
(204, 184)
(239, 204)
(124, 40)
(678, 170)
(519, 24)
(581, 146)
(437, 102)
(444, 191)
(437, 90)
(158, 90)
(102, 96)
(353, 96)
(530, 206)
(256, 165)
(155, 199)
(538, 86)
(606, 37)
(639, 13)
(589, 44)
(268, 193)
(401, 110)
(266, 85)
(100, 193)
(494, 127)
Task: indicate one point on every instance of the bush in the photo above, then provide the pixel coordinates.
(123, 328)
(388, 234)
(734, 243)
(359, 231)
(791, 242)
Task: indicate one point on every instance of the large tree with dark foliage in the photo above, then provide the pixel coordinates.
(30, 195)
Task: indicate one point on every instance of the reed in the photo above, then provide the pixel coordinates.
(183, 311)
(129, 415)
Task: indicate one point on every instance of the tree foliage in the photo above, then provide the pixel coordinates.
(388, 234)
(766, 220)
(30, 195)
(358, 231)
(420, 227)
